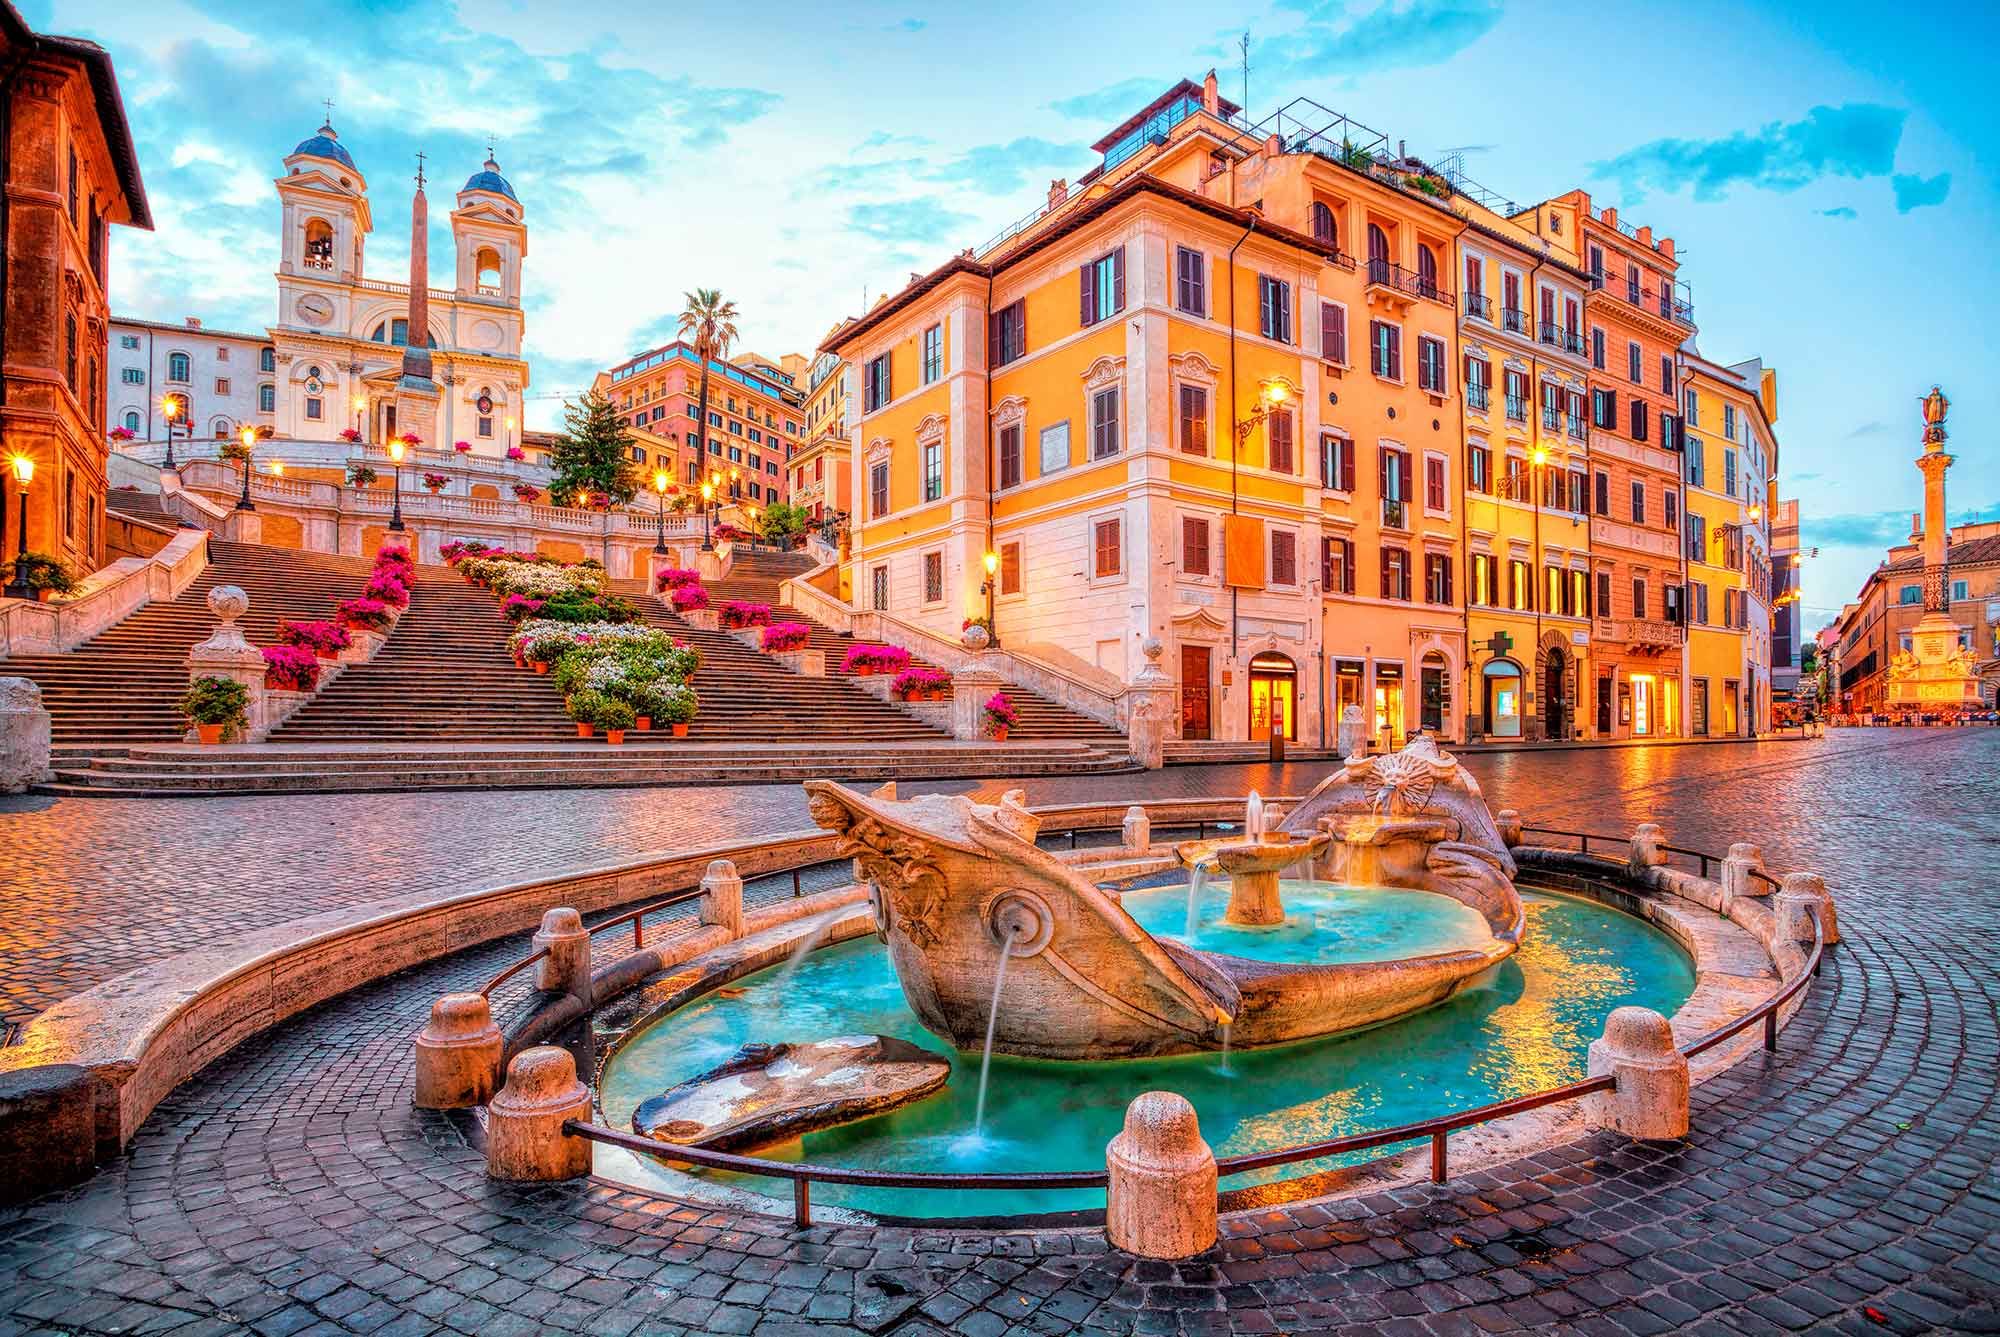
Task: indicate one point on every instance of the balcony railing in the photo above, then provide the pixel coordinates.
(1382, 273)
(1478, 395)
(1674, 302)
(1514, 320)
(1551, 418)
(1479, 304)
(1517, 408)
(1576, 427)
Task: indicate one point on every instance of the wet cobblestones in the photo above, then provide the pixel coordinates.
(1846, 1184)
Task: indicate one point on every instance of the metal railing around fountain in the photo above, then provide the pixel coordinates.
(804, 1174)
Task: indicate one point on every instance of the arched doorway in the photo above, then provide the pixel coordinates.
(1555, 694)
(1434, 691)
(1501, 679)
(1274, 695)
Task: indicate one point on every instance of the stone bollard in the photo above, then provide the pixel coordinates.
(1161, 1202)
(566, 969)
(1646, 842)
(1138, 829)
(24, 736)
(1508, 822)
(1742, 860)
(722, 897)
(1651, 1098)
(458, 1054)
(524, 1136)
(1798, 895)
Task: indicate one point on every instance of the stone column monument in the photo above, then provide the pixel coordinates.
(1935, 675)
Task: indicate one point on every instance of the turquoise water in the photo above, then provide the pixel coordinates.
(1324, 924)
(1524, 1030)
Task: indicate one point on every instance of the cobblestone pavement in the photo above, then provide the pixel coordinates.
(1846, 1184)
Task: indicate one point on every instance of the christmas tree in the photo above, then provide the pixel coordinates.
(593, 455)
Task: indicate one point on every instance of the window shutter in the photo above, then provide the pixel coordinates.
(1385, 574)
(1347, 566)
(1332, 332)
(1086, 296)
(1403, 471)
(1347, 478)
(1446, 561)
(1118, 279)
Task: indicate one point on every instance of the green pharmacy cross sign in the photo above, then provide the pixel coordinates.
(1500, 643)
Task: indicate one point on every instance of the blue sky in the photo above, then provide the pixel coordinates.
(1824, 168)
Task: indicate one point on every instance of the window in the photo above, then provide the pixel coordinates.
(1573, 403)
(1010, 455)
(1632, 357)
(1597, 348)
(1274, 308)
(1010, 333)
(266, 360)
(1551, 406)
(1670, 508)
(1324, 230)
(1194, 546)
(1666, 375)
(128, 341)
(1959, 590)
(133, 376)
(638, 454)
(1104, 438)
(1395, 467)
(1695, 464)
(875, 387)
(1437, 578)
(1729, 472)
(1010, 568)
(1517, 395)
(222, 385)
(1194, 419)
(1511, 316)
(177, 367)
(1697, 538)
(1278, 441)
(1102, 285)
(1396, 573)
(933, 577)
(1604, 593)
(315, 408)
(1430, 364)
(1638, 597)
(1434, 485)
(1579, 492)
(1336, 566)
(1482, 590)
(880, 583)
(1427, 271)
(1385, 349)
(1106, 549)
(1603, 506)
(878, 488)
(1604, 409)
(933, 470)
(1639, 419)
(1638, 502)
(1729, 421)
(132, 420)
(1479, 469)
(1333, 332)
(1552, 589)
(1910, 594)
(1190, 281)
(1520, 586)
(1284, 557)
(1336, 462)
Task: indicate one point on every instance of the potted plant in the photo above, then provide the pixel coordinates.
(674, 577)
(43, 574)
(519, 608)
(436, 482)
(219, 707)
(367, 613)
(516, 454)
(323, 638)
(290, 668)
(584, 707)
(615, 717)
(785, 636)
(462, 447)
(920, 684)
(350, 434)
(688, 598)
(122, 434)
(737, 614)
(360, 475)
(1000, 716)
(675, 709)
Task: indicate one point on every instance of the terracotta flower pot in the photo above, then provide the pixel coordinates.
(541, 666)
(680, 731)
(520, 662)
(328, 655)
(582, 729)
(644, 724)
(614, 736)
(208, 733)
(1000, 735)
(933, 696)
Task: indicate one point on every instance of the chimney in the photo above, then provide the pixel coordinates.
(1666, 245)
(1058, 192)
(1610, 217)
(1273, 146)
(1210, 98)
(1646, 235)
(194, 322)
(1916, 525)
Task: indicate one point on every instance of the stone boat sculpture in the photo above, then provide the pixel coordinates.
(960, 891)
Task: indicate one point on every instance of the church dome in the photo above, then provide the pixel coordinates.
(488, 178)
(325, 144)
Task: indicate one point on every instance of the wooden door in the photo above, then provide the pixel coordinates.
(1195, 692)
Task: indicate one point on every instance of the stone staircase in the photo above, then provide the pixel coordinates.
(146, 506)
(124, 685)
(756, 577)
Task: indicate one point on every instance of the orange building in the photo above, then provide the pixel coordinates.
(754, 416)
(1638, 316)
(69, 172)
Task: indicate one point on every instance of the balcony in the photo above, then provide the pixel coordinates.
(1551, 418)
(1517, 408)
(1638, 633)
(1395, 278)
(1395, 513)
(1514, 320)
(1551, 334)
(1480, 305)
(1478, 396)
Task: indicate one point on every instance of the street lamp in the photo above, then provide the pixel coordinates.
(170, 409)
(1269, 399)
(660, 491)
(249, 438)
(992, 561)
(18, 588)
(707, 500)
(396, 507)
(360, 403)
(277, 468)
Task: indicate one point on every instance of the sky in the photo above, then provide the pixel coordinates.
(1824, 169)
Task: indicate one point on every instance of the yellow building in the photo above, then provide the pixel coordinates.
(1730, 461)
(1176, 404)
(821, 474)
(1523, 362)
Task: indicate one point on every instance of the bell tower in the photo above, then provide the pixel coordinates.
(490, 238)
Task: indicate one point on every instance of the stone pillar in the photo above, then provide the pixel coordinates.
(970, 687)
(458, 1054)
(1799, 895)
(1646, 852)
(1651, 1098)
(24, 736)
(1508, 822)
(1151, 711)
(1161, 1202)
(1742, 860)
(226, 654)
(524, 1136)
(566, 969)
(1138, 829)
(722, 897)
(243, 527)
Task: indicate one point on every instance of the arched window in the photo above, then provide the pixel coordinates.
(319, 244)
(267, 399)
(131, 420)
(1323, 228)
(221, 429)
(268, 360)
(486, 266)
(177, 367)
(1427, 271)
(1378, 254)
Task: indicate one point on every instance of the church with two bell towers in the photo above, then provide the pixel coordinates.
(384, 358)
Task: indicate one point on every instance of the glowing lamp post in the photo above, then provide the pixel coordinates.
(360, 403)
(170, 409)
(24, 473)
(249, 439)
(660, 491)
(396, 506)
(707, 500)
(992, 562)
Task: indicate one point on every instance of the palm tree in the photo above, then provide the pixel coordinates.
(710, 323)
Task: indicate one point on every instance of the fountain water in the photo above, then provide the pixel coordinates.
(992, 1017)
(1197, 888)
(1253, 816)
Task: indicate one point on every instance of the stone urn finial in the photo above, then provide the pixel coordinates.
(228, 602)
(975, 637)
(1150, 673)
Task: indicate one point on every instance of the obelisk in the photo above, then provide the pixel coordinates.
(1934, 677)
(416, 391)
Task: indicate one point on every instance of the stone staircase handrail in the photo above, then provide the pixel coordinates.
(106, 598)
